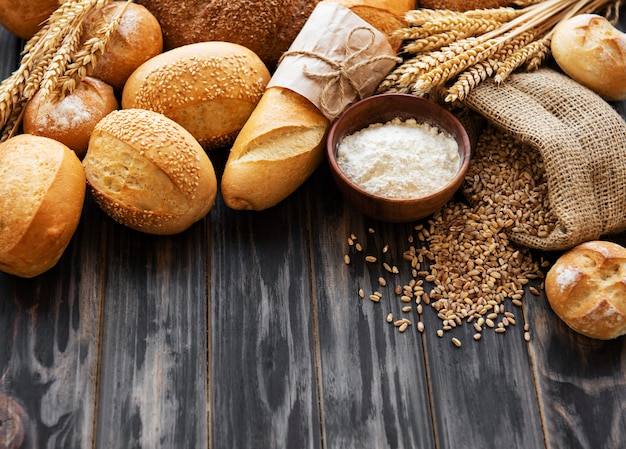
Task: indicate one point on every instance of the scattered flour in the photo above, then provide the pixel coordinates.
(399, 159)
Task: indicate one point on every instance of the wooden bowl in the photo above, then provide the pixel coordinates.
(381, 109)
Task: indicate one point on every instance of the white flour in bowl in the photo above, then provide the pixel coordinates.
(399, 159)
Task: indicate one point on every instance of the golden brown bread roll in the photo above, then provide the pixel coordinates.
(25, 17)
(282, 143)
(267, 28)
(71, 119)
(148, 173)
(586, 288)
(136, 39)
(210, 88)
(42, 190)
(593, 52)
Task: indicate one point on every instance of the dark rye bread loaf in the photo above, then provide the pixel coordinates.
(267, 28)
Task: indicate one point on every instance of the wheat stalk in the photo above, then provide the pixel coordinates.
(462, 49)
(47, 58)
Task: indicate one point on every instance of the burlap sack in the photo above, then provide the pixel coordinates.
(582, 140)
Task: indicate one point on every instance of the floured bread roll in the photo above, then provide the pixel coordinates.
(148, 173)
(70, 120)
(586, 288)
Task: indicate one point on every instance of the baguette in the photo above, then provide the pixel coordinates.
(282, 143)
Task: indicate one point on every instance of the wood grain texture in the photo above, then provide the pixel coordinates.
(50, 353)
(373, 382)
(262, 375)
(154, 348)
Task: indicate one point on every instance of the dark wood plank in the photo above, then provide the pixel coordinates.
(262, 357)
(373, 383)
(581, 381)
(50, 332)
(153, 385)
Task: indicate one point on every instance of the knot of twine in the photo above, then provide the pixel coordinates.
(342, 71)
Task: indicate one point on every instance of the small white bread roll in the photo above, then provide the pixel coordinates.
(42, 190)
(586, 288)
(148, 173)
(593, 52)
(136, 39)
(71, 119)
(210, 88)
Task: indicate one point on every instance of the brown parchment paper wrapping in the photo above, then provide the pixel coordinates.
(336, 59)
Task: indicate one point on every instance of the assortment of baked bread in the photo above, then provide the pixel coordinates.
(182, 78)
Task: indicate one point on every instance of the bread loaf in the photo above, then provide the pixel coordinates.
(283, 141)
(25, 17)
(72, 119)
(42, 190)
(210, 88)
(136, 39)
(586, 288)
(148, 173)
(267, 28)
(593, 52)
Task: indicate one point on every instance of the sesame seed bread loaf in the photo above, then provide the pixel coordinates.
(282, 143)
(148, 173)
(136, 39)
(267, 27)
(586, 288)
(42, 190)
(71, 119)
(210, 88)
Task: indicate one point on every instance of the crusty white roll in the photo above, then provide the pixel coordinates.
(25, 17)
(70, 120)
(42, 190)
(593, 52)
(210, 88)
(586, 288)
(136, 39)
(148, 173)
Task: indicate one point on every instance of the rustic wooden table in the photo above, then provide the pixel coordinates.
(246, 331)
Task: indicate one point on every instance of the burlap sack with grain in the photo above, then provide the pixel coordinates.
(582, 140)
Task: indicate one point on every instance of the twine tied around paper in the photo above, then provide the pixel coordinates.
(342, 71)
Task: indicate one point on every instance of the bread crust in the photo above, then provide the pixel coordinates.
(71, 119)
(210, 88)
(586, 288)
(148, 173)
(42, 190)
(266, 27)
